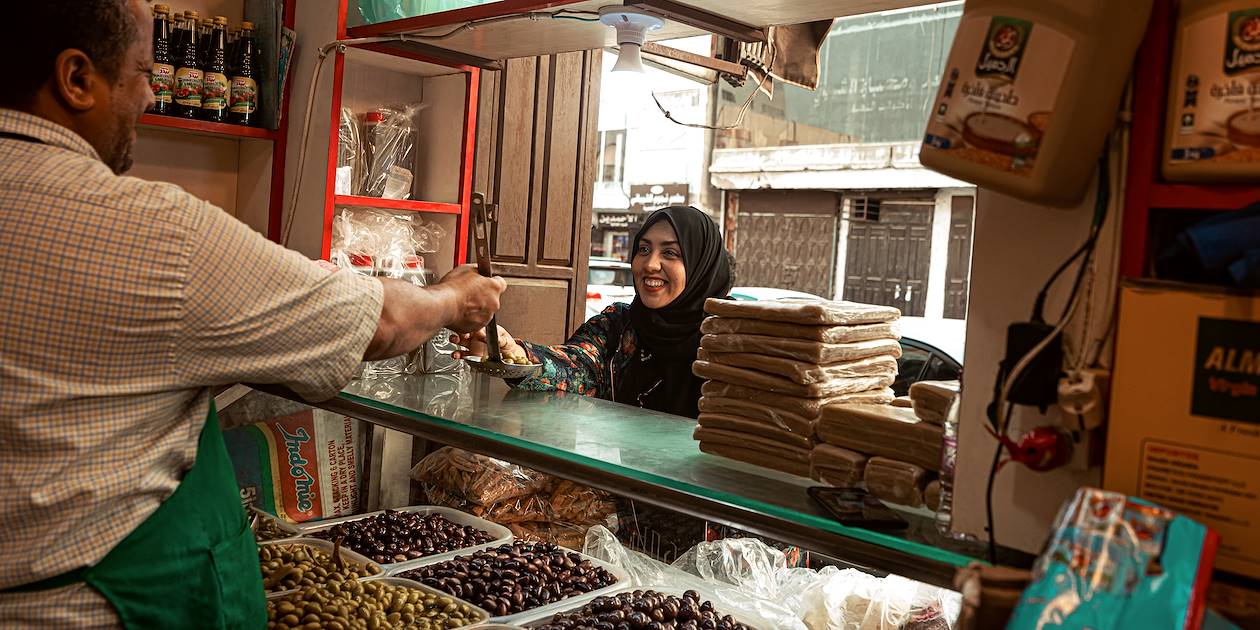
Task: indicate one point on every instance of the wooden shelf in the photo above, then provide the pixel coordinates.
(397, 204)
(1203, 197)
(211, 129)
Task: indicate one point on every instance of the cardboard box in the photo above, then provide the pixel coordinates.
(1184, 427)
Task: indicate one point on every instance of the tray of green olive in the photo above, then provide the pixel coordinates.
(295, 563)
(371, 604)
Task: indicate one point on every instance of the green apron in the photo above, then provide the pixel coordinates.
(192, 563)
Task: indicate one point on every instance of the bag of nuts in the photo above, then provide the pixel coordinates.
(476, 478)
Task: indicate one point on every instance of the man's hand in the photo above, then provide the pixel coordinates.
(475, 298)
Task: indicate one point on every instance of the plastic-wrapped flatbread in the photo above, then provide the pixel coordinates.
(756, 411)
(837, 466)
(932, 399)
(798, 451)
(903, 402)
(807, 312)
(882, 430)
(821, 334)
(801, 372)
(780, 385)
(932, 495)
(758, 458)
(895, 481)
(727, 422)
(814, 352)
(809, 408)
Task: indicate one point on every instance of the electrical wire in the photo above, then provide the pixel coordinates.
(739, 120)
(988, 493)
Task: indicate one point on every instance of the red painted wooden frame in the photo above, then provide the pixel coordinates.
(467, 150)
(1144, 188)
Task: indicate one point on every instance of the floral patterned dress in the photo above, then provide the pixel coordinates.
(590, 362)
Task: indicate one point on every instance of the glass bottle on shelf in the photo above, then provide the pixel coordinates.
(205, 31)
(188, 76)
(949, 461)
(162, 75)
(234, 37)
(214, 91)
(244, 100)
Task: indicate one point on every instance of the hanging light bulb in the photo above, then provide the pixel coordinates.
(632, 26)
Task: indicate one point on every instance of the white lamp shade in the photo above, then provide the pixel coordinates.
(629, 59)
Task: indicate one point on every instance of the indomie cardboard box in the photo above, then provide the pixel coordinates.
(1184, 427)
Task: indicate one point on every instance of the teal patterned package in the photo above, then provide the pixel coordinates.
(1119, 562)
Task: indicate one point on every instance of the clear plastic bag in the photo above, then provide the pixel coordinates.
(389, 136)
(761, 613)
(349, 154)
(478, 479)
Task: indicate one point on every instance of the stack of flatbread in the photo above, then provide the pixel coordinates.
(771, 367)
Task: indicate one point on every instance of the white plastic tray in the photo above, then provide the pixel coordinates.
(281, 524)
(483, 614)
(541, 616)
(501, 534)
(325, 546)
(623, 579)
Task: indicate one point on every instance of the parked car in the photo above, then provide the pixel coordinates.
(608, 280)
(931, 349)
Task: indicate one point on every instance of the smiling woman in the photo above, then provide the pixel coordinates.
(641, 353)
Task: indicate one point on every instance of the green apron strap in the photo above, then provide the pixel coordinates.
(194, 561)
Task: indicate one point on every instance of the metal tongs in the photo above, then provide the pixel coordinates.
(493, 364)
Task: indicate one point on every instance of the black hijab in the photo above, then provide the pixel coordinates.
(659, 374)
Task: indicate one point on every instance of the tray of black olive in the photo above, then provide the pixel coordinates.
(412, 536)
(654, 608)
(521, 577)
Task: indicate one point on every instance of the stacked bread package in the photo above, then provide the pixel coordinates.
(894, 450)
(772, 367)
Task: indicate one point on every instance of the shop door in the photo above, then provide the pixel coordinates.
(536, 148)
(786, 251)
(958, 270)
(889, 251)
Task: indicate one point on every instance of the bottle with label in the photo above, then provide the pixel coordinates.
(205, 30)
(162, 75)
(188, 76)
(1030, 92)
(1213, 128)
(244, 103)
(214, 90)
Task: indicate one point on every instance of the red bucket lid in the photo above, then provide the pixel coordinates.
(374, 117)
(360, 260)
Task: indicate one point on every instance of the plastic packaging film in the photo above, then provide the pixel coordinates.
(801, 372)
(809, 408)
(820, 333)
(883, 430)
(810, 313)
(780, 385)
(896, 482)
(808, 351)
(389, 136)
(349, 154)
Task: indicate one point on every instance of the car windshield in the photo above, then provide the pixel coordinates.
(617, 277)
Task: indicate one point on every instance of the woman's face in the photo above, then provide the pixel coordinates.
(659, 275)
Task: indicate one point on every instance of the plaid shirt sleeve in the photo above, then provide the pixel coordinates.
(255, 312)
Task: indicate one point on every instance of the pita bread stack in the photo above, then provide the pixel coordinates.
(772, 367)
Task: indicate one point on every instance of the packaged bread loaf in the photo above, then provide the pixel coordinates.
(932, 399)
(896, 482)
(801, 372)
(795, 464)
(837, 466)
(809, 312)
(823, 334)
(882, 430)
(781, 385)
(932, 495)
(738, 424)
(809, 408)
(745, 411)
(784, 441)
(804, 350)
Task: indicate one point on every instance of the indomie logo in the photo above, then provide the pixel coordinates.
(1004, 47)
(1242, 51)
(302, 480)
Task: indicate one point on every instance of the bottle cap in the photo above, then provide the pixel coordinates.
(374, 117)
(161, 9)
(207, 22)
(247, 26)
(191, 15)
(219, 20)
(360, 260)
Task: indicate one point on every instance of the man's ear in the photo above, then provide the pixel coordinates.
(75, 79)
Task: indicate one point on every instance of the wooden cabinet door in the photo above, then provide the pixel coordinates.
(536, 147)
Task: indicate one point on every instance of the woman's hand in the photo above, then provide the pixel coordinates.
(476, 344)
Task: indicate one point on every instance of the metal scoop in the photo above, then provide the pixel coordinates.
(492, 364)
